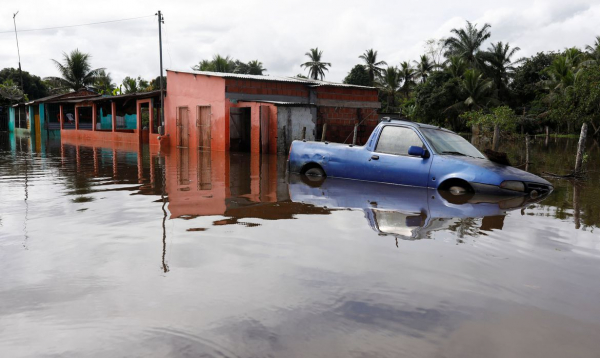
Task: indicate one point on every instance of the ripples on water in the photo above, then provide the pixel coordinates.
(122, 252)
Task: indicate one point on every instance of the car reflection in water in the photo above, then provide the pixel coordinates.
(408, 213)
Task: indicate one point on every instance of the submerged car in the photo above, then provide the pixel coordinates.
(415, 154)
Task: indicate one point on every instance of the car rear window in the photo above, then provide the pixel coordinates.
(397, 140)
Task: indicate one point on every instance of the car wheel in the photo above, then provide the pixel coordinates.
(315, 172)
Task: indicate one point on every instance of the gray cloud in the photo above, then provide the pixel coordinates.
(277, 32)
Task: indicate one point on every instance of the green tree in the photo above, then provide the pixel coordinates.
(456, 66)
(155, 83)
(503, 117)
(593, 53)
(466, 43)
(434, 97)
(10, 91)
(389, 84)
(33, 86)
(217, 64)
(103, 82)
(358, 75)
(527, 93)
(136, 85)
(500, 66)
(75, 71)
(255, 67)
(407, 78)
(423, 67)
(316, 67)
(581, 103)
(475, 92)
(372, 65)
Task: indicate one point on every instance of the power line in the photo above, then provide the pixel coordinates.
(92, 23)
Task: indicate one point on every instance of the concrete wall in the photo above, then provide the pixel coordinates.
(184, 89)
(290, 123)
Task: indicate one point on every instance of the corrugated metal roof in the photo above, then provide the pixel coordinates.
(307, 81)
(281, 103)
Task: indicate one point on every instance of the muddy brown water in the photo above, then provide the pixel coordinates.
(120, 252)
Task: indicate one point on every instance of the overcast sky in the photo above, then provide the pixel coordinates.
(278, 33)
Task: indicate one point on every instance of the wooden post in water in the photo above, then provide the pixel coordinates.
(580, 148)
(355, 133)
(324, 132)
(526, 151)
(303, 133)
(496, 140)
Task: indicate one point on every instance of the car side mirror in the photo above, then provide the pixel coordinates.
(418, 152)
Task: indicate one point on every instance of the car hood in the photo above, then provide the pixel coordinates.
(481, 170)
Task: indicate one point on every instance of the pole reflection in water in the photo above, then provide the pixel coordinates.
(163, 197)
(260, 265)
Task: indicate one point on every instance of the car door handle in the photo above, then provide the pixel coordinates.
(375, 157)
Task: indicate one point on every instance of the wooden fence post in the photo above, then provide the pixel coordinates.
(324, 132)
(580, 148)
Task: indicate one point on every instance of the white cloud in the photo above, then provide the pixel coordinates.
(277, 32)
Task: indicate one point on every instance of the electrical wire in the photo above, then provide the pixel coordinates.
(68, 26)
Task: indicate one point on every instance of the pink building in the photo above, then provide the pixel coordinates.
(226, 111)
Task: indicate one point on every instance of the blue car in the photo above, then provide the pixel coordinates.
(415, 154)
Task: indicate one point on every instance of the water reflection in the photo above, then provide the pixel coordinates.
(132, 251)
(408, 212)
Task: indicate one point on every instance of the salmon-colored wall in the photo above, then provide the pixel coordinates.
(185, 89)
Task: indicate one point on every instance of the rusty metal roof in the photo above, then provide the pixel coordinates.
(306, 81)
(281, 103)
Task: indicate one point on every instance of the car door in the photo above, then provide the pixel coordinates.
(390, 162)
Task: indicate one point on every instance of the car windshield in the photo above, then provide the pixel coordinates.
(450, 143)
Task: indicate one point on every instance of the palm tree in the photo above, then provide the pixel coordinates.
(131, 85)
(204, 65)
(407, 77)
(223, 64)
(498, 58)
(255, 67)
(75, 71)
(562, 73)
(372, 65)
(104, 82)
(476, 91)
(456, 66)
(423, 67)
(315, 67)
(466, 43)
(593, 53)
(389, 83)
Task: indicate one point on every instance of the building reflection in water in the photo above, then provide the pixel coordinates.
(239, 186)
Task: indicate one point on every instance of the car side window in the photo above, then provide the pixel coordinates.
(397, 140)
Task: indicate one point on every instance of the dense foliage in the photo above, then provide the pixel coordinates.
(10, 81)
(458, 82)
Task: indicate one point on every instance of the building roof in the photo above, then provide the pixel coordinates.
(100, 98)
(307, 81)
(282, 103)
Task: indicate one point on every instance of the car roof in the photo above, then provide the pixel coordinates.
(413, 124)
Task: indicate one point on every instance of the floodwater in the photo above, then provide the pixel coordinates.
(125, 252)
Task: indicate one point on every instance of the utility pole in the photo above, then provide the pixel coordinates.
(18, 52)
(162, 92)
